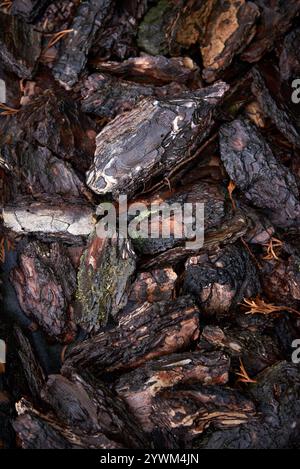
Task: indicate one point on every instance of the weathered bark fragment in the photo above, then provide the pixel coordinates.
(277, 394)
(266, 183)
(103, 280)
(289, 59)
(139, 387)
(166, 132)
(89, 407)
(157, 70)
(20, 46)
(157, 285)
(30, 10)
(89, 18)
(220, 281)
(276, 18)
(143, 333)
(45, 291)
(230, 29)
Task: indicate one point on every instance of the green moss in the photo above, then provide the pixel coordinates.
(151, 35)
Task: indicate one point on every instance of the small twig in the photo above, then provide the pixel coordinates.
(243, 375)
(231, 187)
(271, 246)
(259, 306)
(6, 5)
(57, 37)
(251, 253)
(7, 111)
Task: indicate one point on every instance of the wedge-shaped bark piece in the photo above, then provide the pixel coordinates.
(276, 18)
(277, 426)
(103, 280)
(187, 411)
(251, 165)
(143, 333)
(157, 285)
(230, 29)
(220, 281)
(44, 431)
(289, 58)
(151, 140)
(45, 282)
(275, 108)
(30, 10)
(90, 407)
(157, 70)
(89, 18)
(20, 46)
(139, 387)
(34, 374)
(49, 217)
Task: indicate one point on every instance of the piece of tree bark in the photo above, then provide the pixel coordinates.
(89, 18)
(165, 131)
(220, 281)
(143, 333)
(289, 58)
(30, 10)
(20, 46)
(157, 70)
(231, 27)
(43, 431)
(276, 18)
(157, 285)
(265, 182)
(139, 387)
(103, 281)
(89, 407)
(45, 292)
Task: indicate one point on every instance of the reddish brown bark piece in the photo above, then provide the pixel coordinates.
(139, 387)
(230, 29)
(157, 285)
(143, 333)
(45, 291)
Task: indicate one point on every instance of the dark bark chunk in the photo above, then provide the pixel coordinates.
(165, 134)
(220, 281)
(30, 10)
(89, 18)
(20, 46)
(266, 183)
(143, 333)
(157, 285)
(289, 58)
(45, 282)
(139, 387)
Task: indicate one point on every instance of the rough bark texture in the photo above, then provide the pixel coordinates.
(146, 332)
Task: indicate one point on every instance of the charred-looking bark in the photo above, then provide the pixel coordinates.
(103, 280)
(143, 333)
(278, 111)
(139, 387)
(165, 133)
(289, 59)
(34, 374)
(106, 96)
(88, 406)
(276, 18)
(6, 414)
(187, 411)
(175, 219)
(44, 431)
(157, 70)
(89, 18)
(157, 285)
(30, 10)
(45, 291)
(220, 281)
(257, 348)
(277, 395)
(251, 165)
(230, 29)
(20, 46)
